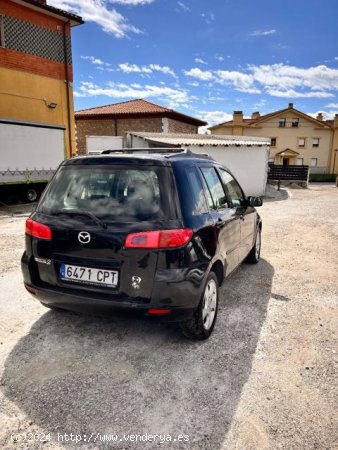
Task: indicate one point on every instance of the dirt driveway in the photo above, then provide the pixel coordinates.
(265, 380)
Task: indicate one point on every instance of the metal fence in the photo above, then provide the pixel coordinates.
(288, 173)
(297, 174)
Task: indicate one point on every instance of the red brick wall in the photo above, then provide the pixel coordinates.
(153, 125)
(106, 127)
(176, 126)
(92, 128)
(34, 64)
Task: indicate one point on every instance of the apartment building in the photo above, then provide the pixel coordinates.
(296, 138)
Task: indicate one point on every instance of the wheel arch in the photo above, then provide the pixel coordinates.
(218, 269)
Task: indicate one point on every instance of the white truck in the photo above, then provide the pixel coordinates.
(29, 155)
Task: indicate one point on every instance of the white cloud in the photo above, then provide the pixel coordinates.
(122, 91)
(203, 75)
(132, 2)
(290, 93)
(285, 76)
(150, 68)
(95, 61)
(194, 83)
(134, 68)
(220, 58)
(99, 12)
(208, 18)
(332, 105)
(200, 61)
(248, 90)
(263, 32)
(214, 117)
(182, 7)
(238, 79)
(164, 69)
(278, 80)
(326, 115)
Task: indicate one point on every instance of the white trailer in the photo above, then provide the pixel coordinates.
(96, 144)
(246, 157)
(30, 154)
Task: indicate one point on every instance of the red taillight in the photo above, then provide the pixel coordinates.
(159, 239)
(158, 311)
(38, 230)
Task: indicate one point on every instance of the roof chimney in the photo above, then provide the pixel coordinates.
(335, 121)
(290, 105)
(320, 116)
(238, 117)
(255, 115)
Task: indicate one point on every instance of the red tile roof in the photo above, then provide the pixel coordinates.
(135, 107)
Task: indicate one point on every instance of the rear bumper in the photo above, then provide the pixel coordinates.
(179, 295)
(78, 303)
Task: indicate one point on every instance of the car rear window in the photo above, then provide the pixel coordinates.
(122, 193)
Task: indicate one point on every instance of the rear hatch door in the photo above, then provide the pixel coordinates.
(91, 209)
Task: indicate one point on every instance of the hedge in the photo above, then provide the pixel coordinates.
(328, 177)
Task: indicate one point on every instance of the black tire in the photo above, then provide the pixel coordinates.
(200, 326)
(255, 253)
(31, 195)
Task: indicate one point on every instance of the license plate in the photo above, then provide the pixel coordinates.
(89, 275)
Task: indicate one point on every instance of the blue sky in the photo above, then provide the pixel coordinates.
(207, 58)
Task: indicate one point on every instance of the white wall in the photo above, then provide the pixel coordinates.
(96, 144)
(248, 164)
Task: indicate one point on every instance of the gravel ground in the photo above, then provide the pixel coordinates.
(264, 380)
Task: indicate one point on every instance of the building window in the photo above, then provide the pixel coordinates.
(2, 32)
(315, 142)
(313, 162)
(273, 142)
(282, 123)
(295, 123)
(299, 161)
(301, 142)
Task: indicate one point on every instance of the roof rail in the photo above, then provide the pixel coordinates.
(149, 150)
(167, 152)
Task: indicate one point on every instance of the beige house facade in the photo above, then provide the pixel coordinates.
(296, 138)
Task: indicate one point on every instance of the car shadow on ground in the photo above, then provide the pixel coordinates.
(82, 374)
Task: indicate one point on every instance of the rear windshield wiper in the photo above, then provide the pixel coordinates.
(74, 212)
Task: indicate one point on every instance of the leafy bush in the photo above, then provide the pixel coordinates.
(328, 177)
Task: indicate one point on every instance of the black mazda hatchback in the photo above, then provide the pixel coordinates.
(151, 233)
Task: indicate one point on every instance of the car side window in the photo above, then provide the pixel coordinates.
(199, 204)
(215, 192)
(232, 188)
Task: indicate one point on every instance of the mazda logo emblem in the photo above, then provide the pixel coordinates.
(84, 237)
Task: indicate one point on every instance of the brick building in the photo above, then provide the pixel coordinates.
(132, 115)
(36, 66)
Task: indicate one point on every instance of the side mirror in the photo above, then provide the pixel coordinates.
(255, 201)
